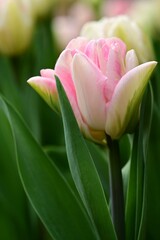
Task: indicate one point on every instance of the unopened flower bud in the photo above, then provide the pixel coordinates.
(16, 26)
(124, 28)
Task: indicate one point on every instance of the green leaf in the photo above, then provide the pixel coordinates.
(131, 193)
(84, 172)
(100, 157)
(8, 84)
(152, 176)
(15, 210)
(50, 195)
(145, 130)
(11, 88)
(59, 157)
(136, 201)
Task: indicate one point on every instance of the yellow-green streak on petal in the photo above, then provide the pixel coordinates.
(122, 113)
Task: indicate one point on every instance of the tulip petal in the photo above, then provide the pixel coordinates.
(92, 30)
(78, 43)
(115, 64)
(63, 71)
(46, 88)
(131, 60)
(89, 85)
(126, 99)
(115, 67)
(97, 51)
(62, 67)
(47, 73)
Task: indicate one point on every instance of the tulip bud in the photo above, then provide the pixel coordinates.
(16, 26)
(67, 27)
(124, 28)
(104, 84)
(146, 14)
(112, 8)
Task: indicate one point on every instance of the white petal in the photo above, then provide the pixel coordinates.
(131, 60)
(126, 99)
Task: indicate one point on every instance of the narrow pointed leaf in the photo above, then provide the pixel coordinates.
(13, 203)
(84, 172)
(131, 192)
(50, 195)
(136, 201)
(144, 135)
(149, 228)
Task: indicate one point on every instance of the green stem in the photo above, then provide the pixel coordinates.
(116, 188)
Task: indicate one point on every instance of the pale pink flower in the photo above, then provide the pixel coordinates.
(103, 82)
(112, 8)
(67, 27)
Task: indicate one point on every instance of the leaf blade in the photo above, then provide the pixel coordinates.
(84, 172)
(47, 190)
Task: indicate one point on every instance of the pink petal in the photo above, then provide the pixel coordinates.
(89, 82)
(100, 50)
(47, 73)
(63, 71)
(63, 63)
(115, 65)
(117, 45)
(97, 51)
(78, 43)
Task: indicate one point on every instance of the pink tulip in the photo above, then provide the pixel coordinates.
(113, 8)
(104, 85)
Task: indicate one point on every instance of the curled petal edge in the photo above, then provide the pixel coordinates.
(46, 88)
(122, 111)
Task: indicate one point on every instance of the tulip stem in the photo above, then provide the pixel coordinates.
(116, 188)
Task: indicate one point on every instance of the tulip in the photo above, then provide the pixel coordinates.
(104, 84)
(16, 26)
(67, 27)
(113, 8)
(146, 14)
(125, 29)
